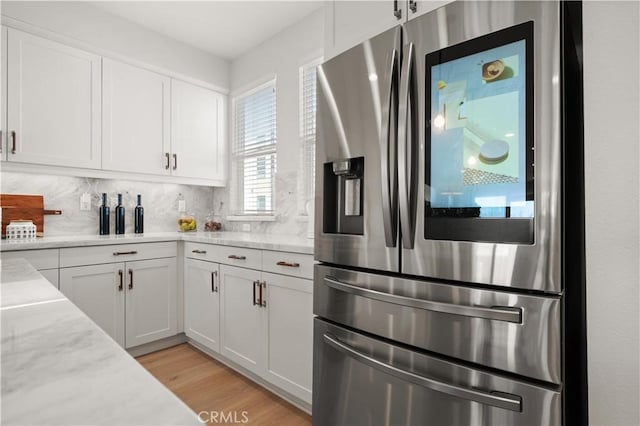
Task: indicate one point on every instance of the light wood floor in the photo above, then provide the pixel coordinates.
(207, 385)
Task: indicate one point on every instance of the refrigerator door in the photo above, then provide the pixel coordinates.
(517, 333)
(531, 266)
(360, 380)
(356, 157)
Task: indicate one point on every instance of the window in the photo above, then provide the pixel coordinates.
(307, 112)
(253, 164)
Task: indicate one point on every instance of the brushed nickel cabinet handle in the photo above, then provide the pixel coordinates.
(199, 251)
(263, 296)
(236, 257)
(122, 253)
(121, 275)
(289, 264)
(396, 12)
(168, 158)
(175, 161)
(254, 292)
(13, 142)
(130, 279)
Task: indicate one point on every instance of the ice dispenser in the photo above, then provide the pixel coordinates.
(344, 196)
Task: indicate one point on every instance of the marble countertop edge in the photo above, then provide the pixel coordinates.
(278, 242)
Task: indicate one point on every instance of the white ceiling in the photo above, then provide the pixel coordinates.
(226, 29)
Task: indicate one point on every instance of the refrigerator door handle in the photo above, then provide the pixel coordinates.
(388, 151)
(407, 139)
(498, 399)
(495, 313)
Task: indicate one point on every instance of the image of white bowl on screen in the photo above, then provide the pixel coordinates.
(494, 152)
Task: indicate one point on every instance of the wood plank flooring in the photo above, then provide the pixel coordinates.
(227, 397)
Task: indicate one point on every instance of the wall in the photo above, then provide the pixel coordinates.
(280, 56)
(611, 80)
(63, 193)
(91, 25)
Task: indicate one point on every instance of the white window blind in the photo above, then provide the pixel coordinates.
(307, 113)
(253, 165)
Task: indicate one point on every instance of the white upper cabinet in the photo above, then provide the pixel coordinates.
(420, 7)
(348, 23)
(53, 103)
(197, 132)
(136, 113)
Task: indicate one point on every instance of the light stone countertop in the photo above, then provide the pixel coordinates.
(287, 243)
(60, 368)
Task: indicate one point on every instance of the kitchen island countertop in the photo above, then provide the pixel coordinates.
(288, 243)
(58, 367)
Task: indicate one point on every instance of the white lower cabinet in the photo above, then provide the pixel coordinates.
(98, 290)
(202, 302)
(242, 318)
(264, 321)
(134, 301)
(289, 323)
(150, 305)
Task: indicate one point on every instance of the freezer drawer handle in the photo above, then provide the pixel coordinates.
(499, 399)
(496, 313)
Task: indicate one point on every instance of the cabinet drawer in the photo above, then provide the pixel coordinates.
(79, 256)
(294, 264)
(236, 256)
(39, 259)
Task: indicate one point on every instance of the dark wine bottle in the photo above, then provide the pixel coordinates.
(119, 219)
(104, 216)
(138, 217)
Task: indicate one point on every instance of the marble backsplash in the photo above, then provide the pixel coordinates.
(288, 220)
(160, 201)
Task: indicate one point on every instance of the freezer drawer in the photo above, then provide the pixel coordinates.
(512, 332)
(359, 380)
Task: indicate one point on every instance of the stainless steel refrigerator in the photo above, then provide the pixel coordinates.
(450, 222)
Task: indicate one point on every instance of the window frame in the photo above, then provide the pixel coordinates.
(237, 157)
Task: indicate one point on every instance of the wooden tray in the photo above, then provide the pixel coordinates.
(24, 207)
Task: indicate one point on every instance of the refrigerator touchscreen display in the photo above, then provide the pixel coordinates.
(479, 156)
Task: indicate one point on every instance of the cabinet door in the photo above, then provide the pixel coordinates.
(97, 291)
(348, 23)
(53, 103)
(202, 303)
(135, 119)
(151, 300)
(242, 318)
(290, 330)
(197, 132)
(424, 6)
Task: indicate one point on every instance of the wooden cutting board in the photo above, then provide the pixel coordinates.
(24, 207)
